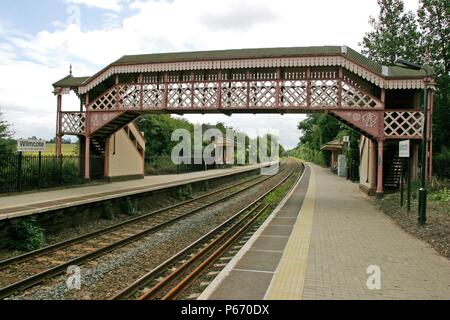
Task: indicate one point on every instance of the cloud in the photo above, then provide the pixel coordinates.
(30, 63)
(114, 5)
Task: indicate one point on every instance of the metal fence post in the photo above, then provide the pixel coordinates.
(40, 170)
(19, 172)
(61, 181)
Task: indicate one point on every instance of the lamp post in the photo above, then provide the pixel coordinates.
(423, 187)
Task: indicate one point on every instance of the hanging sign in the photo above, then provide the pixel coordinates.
(403, 149)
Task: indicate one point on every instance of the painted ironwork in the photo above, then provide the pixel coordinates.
(403, 124)
(73, 123)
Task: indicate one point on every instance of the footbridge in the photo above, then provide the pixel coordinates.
(381, 102)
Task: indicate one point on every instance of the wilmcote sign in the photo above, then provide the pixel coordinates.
(30, 145)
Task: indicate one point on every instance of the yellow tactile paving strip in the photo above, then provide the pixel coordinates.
(289, 278)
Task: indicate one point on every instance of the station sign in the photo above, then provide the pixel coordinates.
(404, 149)
(31, 145)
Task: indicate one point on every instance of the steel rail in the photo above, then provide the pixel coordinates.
(152, 275)
(52, 272)
(64, 244)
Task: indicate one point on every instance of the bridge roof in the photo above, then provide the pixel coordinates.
(391, 72)
(265, 53)
(70, 82)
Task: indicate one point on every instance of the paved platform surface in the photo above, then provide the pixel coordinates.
(320, 246)
(33, 203)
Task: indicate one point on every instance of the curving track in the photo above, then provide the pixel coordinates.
(30, 269)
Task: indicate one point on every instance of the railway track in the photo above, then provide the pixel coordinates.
(25, 271)
(173, 277)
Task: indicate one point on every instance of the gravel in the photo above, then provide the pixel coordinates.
(106, 276)
(437, 229)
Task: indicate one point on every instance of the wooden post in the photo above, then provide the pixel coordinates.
(106, 167)
(373, 161)
(380, 186)
(59, 126)
(87, 159)
(340, 83)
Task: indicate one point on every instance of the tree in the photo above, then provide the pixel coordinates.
(395, 34)
(158, 131)
(7, 146)
(434, 21)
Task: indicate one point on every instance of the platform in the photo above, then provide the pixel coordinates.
(26, 204)
(320, 243)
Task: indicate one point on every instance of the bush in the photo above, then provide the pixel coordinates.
(130, 206)
(441, 164)
(441, 195)
(28, 235)
(182, 193)
(108, 211)
(310, 155)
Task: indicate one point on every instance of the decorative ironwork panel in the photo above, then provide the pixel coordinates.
(294, 93)
(180, 95)
(129, 96)
(107, 101)
(369, 121)
(73, 123)
(153, 96)
(100, 119)
(403, 123)
(263, 94)
(324, 93)
(234, 94)
(205, 95)
(352, 97)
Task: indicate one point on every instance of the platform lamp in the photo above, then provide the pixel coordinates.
(423, 187)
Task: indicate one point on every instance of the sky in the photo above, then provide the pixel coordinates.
(40, 39)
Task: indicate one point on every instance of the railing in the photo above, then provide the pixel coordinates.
(403, 124)
(26, 172)
(244, 90)
(20, 172)
(73, 123)
(163, 165)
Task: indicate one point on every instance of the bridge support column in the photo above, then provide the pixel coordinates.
(380, 185)
(87, 159)
(373, 167)
(58, 140)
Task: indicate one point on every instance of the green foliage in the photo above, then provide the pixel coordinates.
(434, 21)
(108, 211)
(130, 206)
(319, 129)
(28, 235)
(182, 193)
(7, 145)
(395, 34)
(158, 131)
(441, 162)
(306, 153)
(441, 195)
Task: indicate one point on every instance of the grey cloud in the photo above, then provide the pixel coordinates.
(238, 18)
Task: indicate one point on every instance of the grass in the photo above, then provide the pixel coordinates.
(50, 150)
